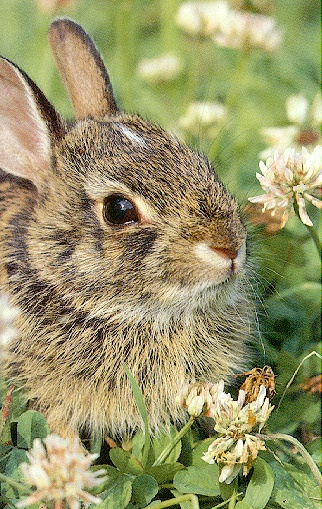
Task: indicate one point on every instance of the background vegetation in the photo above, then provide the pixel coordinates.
(254, 86)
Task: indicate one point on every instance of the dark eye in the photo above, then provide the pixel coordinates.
(119, 210)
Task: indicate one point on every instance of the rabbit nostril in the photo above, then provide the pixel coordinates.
(225, 253)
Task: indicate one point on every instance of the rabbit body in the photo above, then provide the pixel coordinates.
(165, 293)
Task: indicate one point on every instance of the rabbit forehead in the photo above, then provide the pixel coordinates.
(140, 156)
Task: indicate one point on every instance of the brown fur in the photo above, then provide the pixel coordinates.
(94, 296)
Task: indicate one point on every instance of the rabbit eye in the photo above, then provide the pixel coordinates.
(119, 210)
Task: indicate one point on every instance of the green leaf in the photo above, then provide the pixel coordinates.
(243, 505)
(227, 490)
(4, 453)
(117, 490)
(186, 450)
(125, 461)
(164, 473)
(144, 489)
(288, 493)
(303, 476)
(315, 449)
(138, 396)
(260, 485)
(138, 444)
(12, 468)
(199, 450)
(201, 480)
(160, 442)
(31, 425)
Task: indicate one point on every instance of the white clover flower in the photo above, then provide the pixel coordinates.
(245, 30)
(297, 108)
(59, 470)
(237, 447)
(292, 176)
(201, 18)
(304, 130)
(202, 117)
(160, 69)
(8, 314)
(198, 397)
(229, 27)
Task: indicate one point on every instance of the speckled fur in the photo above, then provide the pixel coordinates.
(94, 297)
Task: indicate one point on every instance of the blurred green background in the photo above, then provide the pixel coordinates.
(255, 85)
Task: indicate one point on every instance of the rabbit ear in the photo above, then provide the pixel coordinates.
(28, 123)
(82, 70)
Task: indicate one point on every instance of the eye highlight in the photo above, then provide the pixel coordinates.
(119, 210)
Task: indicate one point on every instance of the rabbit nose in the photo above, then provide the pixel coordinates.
(225, 252)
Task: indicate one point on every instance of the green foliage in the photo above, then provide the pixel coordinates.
(24, 429)
(129, 485)
(254, 86)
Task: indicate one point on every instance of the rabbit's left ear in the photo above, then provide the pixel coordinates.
(28, 125)
(82, 70)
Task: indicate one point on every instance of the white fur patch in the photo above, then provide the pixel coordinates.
(207, 255)
(132, 136)
(221, 266)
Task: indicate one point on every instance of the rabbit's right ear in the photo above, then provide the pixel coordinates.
(28, 126)
(82, 70)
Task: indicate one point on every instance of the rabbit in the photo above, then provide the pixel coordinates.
(120, 245)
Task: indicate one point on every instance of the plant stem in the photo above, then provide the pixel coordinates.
(168, 29)
(17, 485)
(315, 238)
(166, 451)
(311, 229)
(232, 500)
(233, 497)
(301, 449)
(189, 497)
(236, 88)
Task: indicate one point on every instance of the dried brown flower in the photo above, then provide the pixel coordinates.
(254, 379)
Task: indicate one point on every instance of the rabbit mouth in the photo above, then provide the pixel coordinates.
(222, 264)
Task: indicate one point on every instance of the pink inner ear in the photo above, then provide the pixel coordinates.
(24, 136)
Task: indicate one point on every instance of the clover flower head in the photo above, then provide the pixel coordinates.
(59, 470)
(237, 446)
(198, 397)
(246, 30)
(229, 27)
(201, 18)
(303, 130)
(288, 178)
(202, 117)
(160, 69)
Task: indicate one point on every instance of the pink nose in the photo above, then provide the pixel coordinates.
(225, 253)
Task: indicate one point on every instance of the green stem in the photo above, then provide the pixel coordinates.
(236, 88)
(301, 449)
(315, 237)
(168, 29)
(232, 500)
(189, 497)
(311, 229)
(17, 485)
(233, 497)
(166, 451)
(126, 42)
